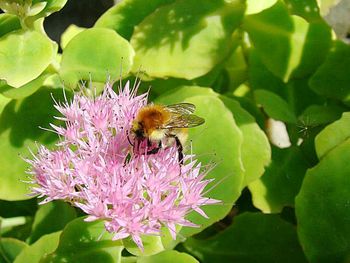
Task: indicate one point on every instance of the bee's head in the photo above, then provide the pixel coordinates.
(137, 129)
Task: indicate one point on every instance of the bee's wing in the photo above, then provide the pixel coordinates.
(184, 121)
(181, 108)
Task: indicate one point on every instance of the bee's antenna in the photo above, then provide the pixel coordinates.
(127, 136)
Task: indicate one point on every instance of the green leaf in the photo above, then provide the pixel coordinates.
(10, 248)
(124, 16)
(18, 208)
(256, 150)
(315, 115)
(19, 129)
(168, 257)
(298, 47)
(51, 217)
(171, 42)
(8, 23)
(306, 9)
(260, 77)
(274, 106)
(254, 7)
(281, 181)
(21, 51)
(70, 33)
(332, 78)
(333, 135)
(219, 136)
(24, 91)
(253, 237)
(36, 8)
(45, 245)
(83, 241)
(237, 68)
(51, 6)
(323, 208)
(83, 58)
(152, 245)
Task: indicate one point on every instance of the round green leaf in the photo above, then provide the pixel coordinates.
(237, 69)
(274, 106)
(70, 33)
(36, 8)
(219, 136)
(152, 245)
(333, 135)
(50, 7)
(51, 217)
(306, 9)
(96, 53)
(124, 16)
(298, 47)
(332, 78)
(45, 245)
(254, 6)
(19, 129)
(10, 248)
(24, 56)
(24, 91)
(281, 181)
(168, 257)
(256, 150)
(83, 241)
(323, 208)
(171, 42)
(319, 114)
(252, 238)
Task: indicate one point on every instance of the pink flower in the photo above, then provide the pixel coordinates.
(94, 168)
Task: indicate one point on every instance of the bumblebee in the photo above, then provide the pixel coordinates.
(165, 125)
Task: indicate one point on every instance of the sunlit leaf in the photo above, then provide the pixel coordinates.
(254, 6)
(111, 57)
(176, 42)
(69, 33)
(45, 245)
(333, 135)
(83, 241)
(124, 16)
(21, 51)
(19, 129)
(298, 47)
(25, 90)
(256, 151)
(220, 136)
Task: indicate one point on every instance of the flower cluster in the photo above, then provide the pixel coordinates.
(94, 168)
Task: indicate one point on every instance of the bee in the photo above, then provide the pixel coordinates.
(165, 125)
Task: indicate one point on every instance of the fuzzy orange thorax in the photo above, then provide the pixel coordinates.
(152, 117)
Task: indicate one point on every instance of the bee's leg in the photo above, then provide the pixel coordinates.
(179, 150)
(155, 150)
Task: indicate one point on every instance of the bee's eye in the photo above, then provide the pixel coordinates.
(139, 133)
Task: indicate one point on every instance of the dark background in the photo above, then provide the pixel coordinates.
(81, 13)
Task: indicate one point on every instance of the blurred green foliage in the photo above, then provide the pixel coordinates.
(242, 63)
